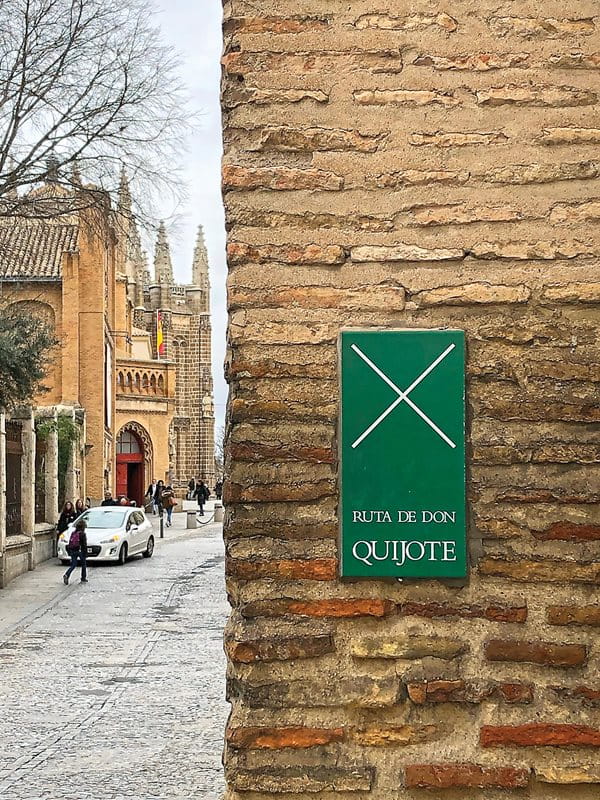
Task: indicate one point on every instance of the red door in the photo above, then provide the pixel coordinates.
(121, 477)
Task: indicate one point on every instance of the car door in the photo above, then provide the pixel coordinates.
(145, 527)
(140, 535)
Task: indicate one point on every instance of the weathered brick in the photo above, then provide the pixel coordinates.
(359, 691)
(403, 252)
(239, 253)
(362, 298)
(251, 95)
(552, 571)
(549, 28)
(449, 776)
(576, 212)
(314, 62)
(287, 493)
(265, 738)
(518, 174)
(585, 695)
(570, 136)
(575, 60)
(573, 615)
(414, 22)
(536, 96)
(472, 294)
(405, 97)
(494, 613)
(459, 691)
(530, 251)
(280, 178)
(407, 647)
(588, 773)
(336, 609)
(418, 177)
(393, 735)
(297, 24)
(317, 569)
(284, 138)
(569, 532)
(539, 735)
(459, 214)
(447, 139)
(545, 496)
(309, 220)
(547, 653)
(573, 293)
(281, 649)
(282, 780)
(474, 62)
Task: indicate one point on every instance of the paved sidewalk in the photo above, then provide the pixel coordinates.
(115, 689)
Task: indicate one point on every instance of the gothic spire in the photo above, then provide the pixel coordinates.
(124, 193)
(163, 268)
(200, 266)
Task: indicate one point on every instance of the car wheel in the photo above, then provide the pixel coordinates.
(123, 554)
(149, 548)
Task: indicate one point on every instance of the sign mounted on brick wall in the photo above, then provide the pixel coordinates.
(402, 453)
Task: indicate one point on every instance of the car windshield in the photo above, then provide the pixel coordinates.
(104, 518)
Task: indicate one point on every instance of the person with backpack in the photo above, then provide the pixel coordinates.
(77, 550)
(168, 502)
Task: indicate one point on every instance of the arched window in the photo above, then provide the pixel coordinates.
(128, 443)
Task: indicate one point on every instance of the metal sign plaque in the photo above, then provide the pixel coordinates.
(402, 452)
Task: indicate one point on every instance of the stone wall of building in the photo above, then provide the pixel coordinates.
(414, 165)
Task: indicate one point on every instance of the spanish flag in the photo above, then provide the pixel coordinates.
(160, 339)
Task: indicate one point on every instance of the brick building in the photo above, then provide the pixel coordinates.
(132, 414)
(411, 166)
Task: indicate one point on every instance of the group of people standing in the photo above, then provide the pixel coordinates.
(162, 497)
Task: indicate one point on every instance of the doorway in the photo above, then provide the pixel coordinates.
(130, 467)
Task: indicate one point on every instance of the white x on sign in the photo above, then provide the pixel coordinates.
(403, 395)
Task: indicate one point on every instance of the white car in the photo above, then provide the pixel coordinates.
(113, 534)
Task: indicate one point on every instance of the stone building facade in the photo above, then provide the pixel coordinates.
(133, 413)
(186, 323)
(412, 165)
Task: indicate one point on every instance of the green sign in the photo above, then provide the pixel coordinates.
(403, 505)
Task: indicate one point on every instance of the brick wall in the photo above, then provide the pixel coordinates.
(405, 165)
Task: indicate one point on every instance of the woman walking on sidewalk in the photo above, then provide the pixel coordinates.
(77, 549)
(168, 502)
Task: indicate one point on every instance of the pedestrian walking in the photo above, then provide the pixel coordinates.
(157, 497)
(67, 516)
(191, 488)
(201, 494)
(77, 550)
(219, 489)
(168, 502)
(150, 492)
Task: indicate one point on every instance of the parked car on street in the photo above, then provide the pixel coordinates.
(113, 534)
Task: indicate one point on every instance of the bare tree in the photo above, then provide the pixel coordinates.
(220, 451)
(86, 88)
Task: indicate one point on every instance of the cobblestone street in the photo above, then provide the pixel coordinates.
(115, 689)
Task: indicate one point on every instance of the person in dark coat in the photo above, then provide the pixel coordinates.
(168, 501)
(77, 551)
(67, 516)
(108, 500)
(191, 488)
(158, 496)
(201, 494)
(150, 492)
(219, 489)
(80, 506)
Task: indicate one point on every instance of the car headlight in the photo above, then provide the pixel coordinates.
(114, 538)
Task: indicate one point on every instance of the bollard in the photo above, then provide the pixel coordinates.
(161, 522)
(192, 521)
(219, 512)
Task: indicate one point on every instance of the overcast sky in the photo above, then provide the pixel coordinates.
(193, 28)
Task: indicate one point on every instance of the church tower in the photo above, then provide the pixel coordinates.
(185, 318)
